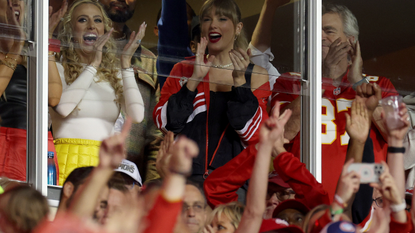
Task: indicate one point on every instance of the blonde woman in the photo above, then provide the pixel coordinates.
(94, 86)
(225, 218)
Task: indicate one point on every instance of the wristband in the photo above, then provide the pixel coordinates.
(1, 190)
(340, 211)
(399, 207)
(339, 201)
(364, 80)
(392, 149)
(54, 45)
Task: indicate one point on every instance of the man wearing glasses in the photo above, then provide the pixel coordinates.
(277, 192)
(194, 209)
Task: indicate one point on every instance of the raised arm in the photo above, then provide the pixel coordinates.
(111, 154)
(357, 126)
(396, 149)
(261, 38)
(54, 81)
(272, 130)
(169, 202)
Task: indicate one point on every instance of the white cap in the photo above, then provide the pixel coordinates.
(129, 168)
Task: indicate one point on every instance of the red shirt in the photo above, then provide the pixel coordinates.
(336, 102)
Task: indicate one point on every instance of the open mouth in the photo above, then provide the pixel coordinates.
(90, 38)
(17, 15)
(214, 37)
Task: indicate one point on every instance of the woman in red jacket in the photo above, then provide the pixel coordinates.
(224, 79)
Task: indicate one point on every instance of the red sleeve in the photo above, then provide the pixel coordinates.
(170, 87)
(249, 134)
(286, 89)
(397, 227)
(305, 186)
(67, 222)
(163, 215)
(221, 185)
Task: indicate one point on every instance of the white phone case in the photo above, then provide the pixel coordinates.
(369, 172)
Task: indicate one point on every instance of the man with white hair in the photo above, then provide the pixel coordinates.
(342, 80)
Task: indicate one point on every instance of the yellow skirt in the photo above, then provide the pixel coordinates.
(73, 153)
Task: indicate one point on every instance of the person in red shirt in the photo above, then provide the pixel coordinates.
(342, 73)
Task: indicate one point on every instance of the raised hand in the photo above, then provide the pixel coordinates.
(183, 151)
(98, 46)
(348, 183)
(272, 130)
(13, 34)
(387, 186)
(355, 71)
(358, 124)
(396, 136)
(112, 150)
(56, 17)
(240, 61)
(201, 67)
(371, 94)
(163, 156)
(338, 51)
(132, 45)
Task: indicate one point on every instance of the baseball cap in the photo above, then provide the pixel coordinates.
(278, 224)
(129, 168)
(339, 227)
(276, 179)
(291, 204)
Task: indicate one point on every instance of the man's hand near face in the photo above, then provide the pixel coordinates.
(355, 70)
(332, 64)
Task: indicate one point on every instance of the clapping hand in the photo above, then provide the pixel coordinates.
(98, 46)
(112, 150)
(240, 61)
(358, 123)
(163, 156)
(56, 17)
(355, 71)
(201, 68)
(132, 45)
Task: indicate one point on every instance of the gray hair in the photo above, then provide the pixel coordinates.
(350, 26)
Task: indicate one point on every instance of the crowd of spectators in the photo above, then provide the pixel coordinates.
(215, 146)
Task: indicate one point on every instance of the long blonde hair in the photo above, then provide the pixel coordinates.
(231, 10)
(107, 71)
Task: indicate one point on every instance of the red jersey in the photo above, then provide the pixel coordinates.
(336, 102)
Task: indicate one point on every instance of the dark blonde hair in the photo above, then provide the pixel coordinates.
(233, 211)
(231, 10)
(26, 207)
(107, 71)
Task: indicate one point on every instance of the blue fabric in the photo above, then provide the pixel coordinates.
(173, 44)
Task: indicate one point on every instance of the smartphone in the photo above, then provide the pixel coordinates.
(369, 172)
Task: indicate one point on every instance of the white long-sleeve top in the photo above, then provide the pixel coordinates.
(87, 109)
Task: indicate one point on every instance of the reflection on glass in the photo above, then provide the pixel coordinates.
(96, 85)
(13, 83)
(217, 99)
